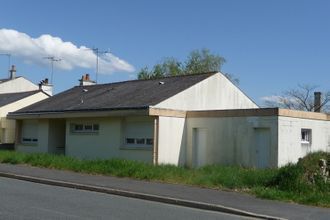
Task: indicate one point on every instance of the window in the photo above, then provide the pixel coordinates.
(85, 128)
(150, 141)
(79, 127)
(88, 128)
(130, 141)
(306, 136)
(29, 132)
(139, 141)
(137, 134)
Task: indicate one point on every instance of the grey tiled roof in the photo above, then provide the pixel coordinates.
(121, 95)
(7, 98)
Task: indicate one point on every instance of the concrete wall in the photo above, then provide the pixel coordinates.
(231, 140)
(8, 126)
(215, 92)
(290, 146)
(107, 143)
(19, 84)
(171, 141)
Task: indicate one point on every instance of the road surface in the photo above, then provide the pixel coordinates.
(26, 200)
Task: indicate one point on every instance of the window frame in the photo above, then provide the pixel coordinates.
(139, 143)
(84, 128)
(306, 136)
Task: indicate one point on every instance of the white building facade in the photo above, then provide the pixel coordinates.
(188, 120)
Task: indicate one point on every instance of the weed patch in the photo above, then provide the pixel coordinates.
(289, 183)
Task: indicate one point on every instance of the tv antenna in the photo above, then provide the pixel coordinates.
(9, 57)
(52, 59)
(97, 53)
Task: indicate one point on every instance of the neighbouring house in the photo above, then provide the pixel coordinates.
(16, 93)
(190, 120)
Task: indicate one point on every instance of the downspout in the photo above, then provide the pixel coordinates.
(18, 129)
(155, 144)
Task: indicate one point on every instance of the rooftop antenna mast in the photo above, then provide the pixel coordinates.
(52, 59)
(9, 58)
(97, 53)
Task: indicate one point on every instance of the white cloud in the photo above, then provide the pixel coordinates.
(273, 98)
(34, 50)
(279, 99)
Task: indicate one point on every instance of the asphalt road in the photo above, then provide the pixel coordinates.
(26, 200)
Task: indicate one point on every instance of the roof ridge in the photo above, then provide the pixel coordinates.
(31, 91)
(155, 79)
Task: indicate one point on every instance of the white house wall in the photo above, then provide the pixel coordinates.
(231, 140)
(290, 146)
(107, 143)
(215, 92)
(19, 84)
(171, 141)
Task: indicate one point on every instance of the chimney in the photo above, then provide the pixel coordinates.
(317, 101)
(12, 72)
(46, 87)
(86, 81)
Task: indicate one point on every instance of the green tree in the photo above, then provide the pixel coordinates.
(168, 67)
(198, 61)
(201, 61)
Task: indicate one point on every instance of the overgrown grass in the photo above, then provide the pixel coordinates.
(290, 183)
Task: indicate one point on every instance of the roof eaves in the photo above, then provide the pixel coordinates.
(75, 111)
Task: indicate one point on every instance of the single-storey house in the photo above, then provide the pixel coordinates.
(16, 93)
(190, 120)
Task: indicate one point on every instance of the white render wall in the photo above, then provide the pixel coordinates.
(171, 141)
(290, 147)
(231, 140)
(108, 142)
(19, 84)
(215, 92)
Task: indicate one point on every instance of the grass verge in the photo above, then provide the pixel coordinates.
(290, 183)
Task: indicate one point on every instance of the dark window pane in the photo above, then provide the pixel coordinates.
(88, 127)
(96, 127)
(150, 141)
(140, 141)
(130, 141)
(79, 127)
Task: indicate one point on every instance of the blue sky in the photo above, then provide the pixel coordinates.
(269, 45)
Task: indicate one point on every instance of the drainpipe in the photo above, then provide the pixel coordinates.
(18, 133)
(155, 145)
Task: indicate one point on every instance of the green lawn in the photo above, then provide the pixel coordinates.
(290, 183)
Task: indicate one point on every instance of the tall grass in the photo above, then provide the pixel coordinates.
(289, 183)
